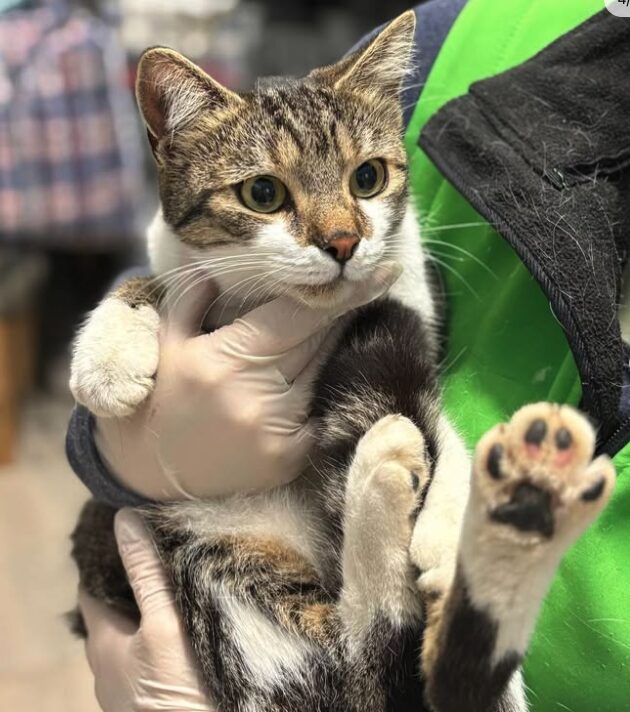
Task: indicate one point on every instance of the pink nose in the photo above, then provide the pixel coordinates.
(342, 248)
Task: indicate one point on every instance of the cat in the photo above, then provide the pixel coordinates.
(385, 577)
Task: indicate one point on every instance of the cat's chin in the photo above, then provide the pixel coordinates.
(318, 294)
(324, 295)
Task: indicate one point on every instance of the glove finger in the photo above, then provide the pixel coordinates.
(144, 569)
(186, 308)
(109, 633)
(278, 326)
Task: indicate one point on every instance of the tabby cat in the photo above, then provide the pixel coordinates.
(385, 577)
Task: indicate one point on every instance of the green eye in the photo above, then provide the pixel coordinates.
(368, 179)
(264, 194)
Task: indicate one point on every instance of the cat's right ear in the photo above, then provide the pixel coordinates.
(171, 91)
(380, 66)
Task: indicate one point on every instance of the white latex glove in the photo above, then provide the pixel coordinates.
(145, 668)
(229, 408)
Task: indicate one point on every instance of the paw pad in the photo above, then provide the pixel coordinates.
(564, 439)
(537, 471)
(494, 460)
(536, 432)
(594, 492)
(529, 510)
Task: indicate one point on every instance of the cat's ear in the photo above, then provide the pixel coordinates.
(171, 91)
(378, 67)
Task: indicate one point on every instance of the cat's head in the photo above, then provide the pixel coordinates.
(304, 180)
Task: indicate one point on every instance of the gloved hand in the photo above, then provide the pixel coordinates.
(229, 409)
(145, 668)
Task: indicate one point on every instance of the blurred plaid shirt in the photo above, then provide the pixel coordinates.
(70, 150)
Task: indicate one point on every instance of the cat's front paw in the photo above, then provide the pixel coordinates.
(115, 358)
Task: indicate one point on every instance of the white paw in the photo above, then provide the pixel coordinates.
(394, 438)
(385, 481)
(439, 578)
(384, 484)
(115, 357)
(434, 550)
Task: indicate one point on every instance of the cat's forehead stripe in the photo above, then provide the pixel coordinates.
(311, 117)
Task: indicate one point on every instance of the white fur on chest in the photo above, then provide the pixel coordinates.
(412, 289)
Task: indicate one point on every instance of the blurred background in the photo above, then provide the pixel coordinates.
(76, 190)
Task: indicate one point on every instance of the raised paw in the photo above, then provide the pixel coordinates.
(393, 440)
(115, 358)
(385, 480)
(536, 474)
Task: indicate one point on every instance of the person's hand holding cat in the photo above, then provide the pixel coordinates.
(150, 666)
(229, 409)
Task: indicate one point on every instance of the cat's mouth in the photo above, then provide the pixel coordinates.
(324, 291)
(328, 288)
(240, 292)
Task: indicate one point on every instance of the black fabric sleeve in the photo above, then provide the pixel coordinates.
(542, 151)
(88, 465)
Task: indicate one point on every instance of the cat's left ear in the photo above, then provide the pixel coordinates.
(381, 66)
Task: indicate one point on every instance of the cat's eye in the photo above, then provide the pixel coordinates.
(264, 194)
(368, 179)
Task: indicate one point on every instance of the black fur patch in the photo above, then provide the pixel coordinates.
(101, 572)
(464, 679)
(405, 688)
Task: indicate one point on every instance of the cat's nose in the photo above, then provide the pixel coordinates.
(342, 246)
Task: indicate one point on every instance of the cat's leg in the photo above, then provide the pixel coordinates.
(115, 353)
(101, 572)
(437, 530)
(534, 490)
(379, 606)
(266, 633)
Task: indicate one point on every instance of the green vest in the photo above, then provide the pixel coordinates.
(505, 349)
